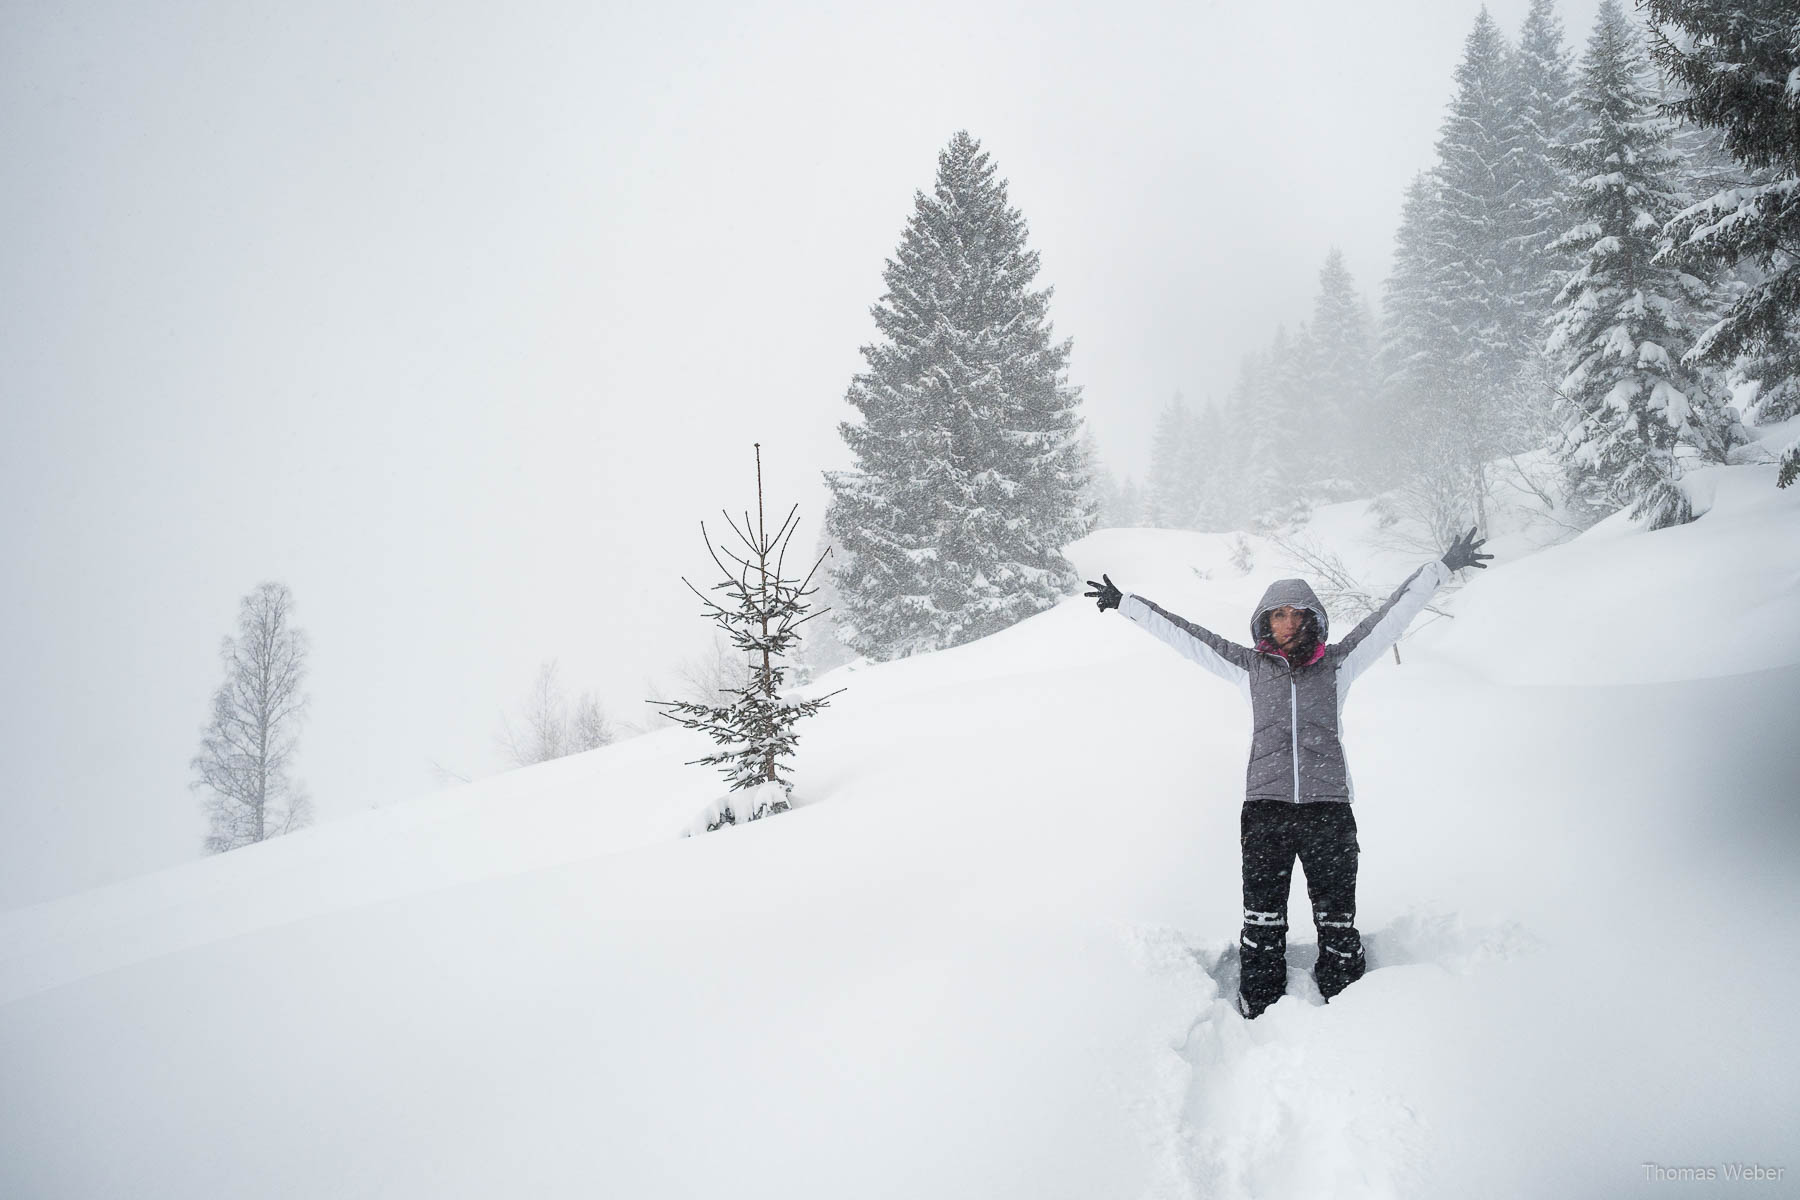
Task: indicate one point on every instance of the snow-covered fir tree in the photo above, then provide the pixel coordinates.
(1418, 342)
(1102, 486)
(1116, 504)
(969, 475)
(1462, 370)
(1423, 464)
(1339, 380)
(1621, 329)
(1738, 64)
(1229, 484)
(1250, 462)
(1127, 509)
(1472, 250)
(1704, 167)
(1208, 481)
(1542, 103)
(761, 618)
(823, 649)
(1169, 499)
(1191, 480)
(1289, 444)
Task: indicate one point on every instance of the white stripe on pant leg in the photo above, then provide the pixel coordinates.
(1321, 917)
(1340, 953)
(1252, 917)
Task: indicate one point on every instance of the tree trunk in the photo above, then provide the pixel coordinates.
(762, 562)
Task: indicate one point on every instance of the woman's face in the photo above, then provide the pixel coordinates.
(1284, 624)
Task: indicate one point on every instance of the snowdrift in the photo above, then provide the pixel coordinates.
(990, 953)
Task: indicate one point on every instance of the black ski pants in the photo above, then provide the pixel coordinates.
(1323, 836)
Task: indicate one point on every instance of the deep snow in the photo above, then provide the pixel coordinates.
(989, 953)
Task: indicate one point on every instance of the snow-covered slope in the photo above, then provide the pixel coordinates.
(989, 954)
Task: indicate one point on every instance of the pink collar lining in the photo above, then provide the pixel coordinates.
(1265, 646)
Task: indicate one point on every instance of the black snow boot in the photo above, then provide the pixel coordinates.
(1340, 952)
(1262, 961)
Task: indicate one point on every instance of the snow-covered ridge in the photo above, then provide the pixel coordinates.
(990, 953)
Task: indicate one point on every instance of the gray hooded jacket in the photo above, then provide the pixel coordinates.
(1295, 754)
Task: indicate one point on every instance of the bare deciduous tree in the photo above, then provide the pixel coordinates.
(713, 673)
(589, 728)
(248, 745)
(548, 728)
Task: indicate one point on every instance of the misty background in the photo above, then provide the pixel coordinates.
(459, 324)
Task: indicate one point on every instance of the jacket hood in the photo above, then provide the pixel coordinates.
(1295, 593)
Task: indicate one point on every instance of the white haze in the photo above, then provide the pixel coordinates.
(459, 323)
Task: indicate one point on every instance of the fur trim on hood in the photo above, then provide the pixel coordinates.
(1294, 593)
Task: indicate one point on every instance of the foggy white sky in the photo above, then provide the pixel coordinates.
(459, 322)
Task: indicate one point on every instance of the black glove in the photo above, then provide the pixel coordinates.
(1105, 595)
(1463, 552)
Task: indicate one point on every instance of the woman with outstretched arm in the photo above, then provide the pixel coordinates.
(1297, 792)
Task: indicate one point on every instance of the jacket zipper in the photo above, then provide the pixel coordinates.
(1294, 731)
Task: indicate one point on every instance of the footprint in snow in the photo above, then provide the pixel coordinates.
(1239, 1109)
